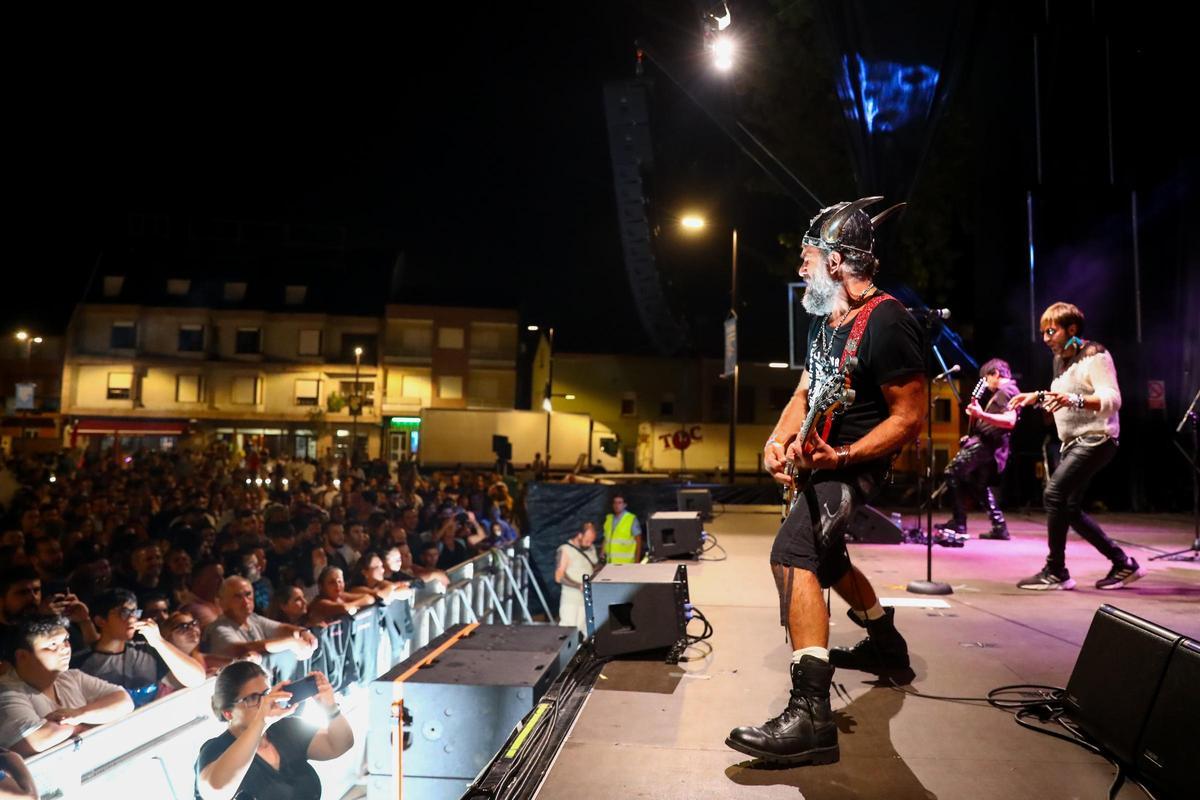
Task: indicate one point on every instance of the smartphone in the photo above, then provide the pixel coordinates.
(55, 587)
(301, 690)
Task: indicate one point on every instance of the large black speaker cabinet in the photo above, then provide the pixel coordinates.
(1170, 748)
(1116, 679)
(636, 607)
(699, 500)
(674, 534)
(871, 527)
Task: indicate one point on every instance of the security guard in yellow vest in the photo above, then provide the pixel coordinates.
(622, 534)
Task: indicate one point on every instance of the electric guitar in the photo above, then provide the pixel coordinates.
(976, 393)
(828, 396)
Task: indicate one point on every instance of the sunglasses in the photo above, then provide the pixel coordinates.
(187, 626)
(128, 613)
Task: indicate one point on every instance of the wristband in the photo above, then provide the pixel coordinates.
(843, 454)
(337, 712)
(773, 441)
(1077, 401)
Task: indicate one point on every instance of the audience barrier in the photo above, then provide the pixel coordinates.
(154, 748)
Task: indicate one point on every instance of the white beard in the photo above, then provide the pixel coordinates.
(823, 295)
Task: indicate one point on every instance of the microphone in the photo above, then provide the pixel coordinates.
(946, 375)
(930, 313)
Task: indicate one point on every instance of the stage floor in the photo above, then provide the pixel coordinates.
(654, 731)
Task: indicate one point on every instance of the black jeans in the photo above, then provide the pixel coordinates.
(1064, 495)
(973, 470)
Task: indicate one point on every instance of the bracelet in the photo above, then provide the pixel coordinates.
(843, 454)
(772, 441)
(1077, 401)
(1041, 397)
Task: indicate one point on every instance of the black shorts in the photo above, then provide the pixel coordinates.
(813, 537)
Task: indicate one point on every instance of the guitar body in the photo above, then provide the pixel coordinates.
(826, 399)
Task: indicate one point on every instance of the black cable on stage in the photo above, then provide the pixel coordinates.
(1047, 708)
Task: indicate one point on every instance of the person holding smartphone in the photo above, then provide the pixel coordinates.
(265, 752)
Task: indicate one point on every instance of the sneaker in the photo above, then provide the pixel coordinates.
(1121, 575)
(1048, 579)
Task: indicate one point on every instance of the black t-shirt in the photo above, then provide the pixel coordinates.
(891, 349)
(294, 780)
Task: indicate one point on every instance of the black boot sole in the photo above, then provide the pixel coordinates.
(874, 668)
(814, 757)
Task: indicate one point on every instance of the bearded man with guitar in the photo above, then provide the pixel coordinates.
(983, 452)
(835, 467)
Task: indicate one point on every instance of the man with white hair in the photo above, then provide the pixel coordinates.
(239, 632)
(863, 331)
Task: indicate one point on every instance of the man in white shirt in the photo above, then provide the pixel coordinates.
(42, 702)
(239, 632)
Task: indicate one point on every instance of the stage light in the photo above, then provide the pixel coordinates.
(722, 53)
(531, 327)
(22, 336)
(692, 222)
(778, 365)
(569, 396)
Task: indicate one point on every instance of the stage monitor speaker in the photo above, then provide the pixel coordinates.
(635, 607)
(699, 500)
(869, 526)
(1116, 677)
(674, 534)
(1170, 748)
(456, 701)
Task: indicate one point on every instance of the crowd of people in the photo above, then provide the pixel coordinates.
(126, 577)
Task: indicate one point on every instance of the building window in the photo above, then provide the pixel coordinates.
(191, 338)
(366, 388)
(941, 409)
(666, 408)
(450, 338)
(245, 390)
(294, 295)
(308, 392)
(120, 385)
(310, 343)
(629, 404)
(450, 387)
(113, 284)
(235, 292)
(416, 341)
(124, 336)
(187, 388)
(249, 340)
(178, 287)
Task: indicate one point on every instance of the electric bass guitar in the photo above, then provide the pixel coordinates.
(827, 397)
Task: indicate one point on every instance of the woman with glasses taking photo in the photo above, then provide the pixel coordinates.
(265, 752)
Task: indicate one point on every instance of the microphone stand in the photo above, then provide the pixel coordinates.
(1193, 552)
(929, 585)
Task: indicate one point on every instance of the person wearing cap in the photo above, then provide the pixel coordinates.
(850, 456)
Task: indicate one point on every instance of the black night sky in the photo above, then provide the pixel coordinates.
(475, 141)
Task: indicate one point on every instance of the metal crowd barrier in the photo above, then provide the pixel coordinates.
(154, 748)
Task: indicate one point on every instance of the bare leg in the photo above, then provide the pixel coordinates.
(856, 590)
(807, 618)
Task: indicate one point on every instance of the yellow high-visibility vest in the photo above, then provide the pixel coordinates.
(620, 545)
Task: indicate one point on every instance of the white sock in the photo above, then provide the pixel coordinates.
(816, 652)
(875, 611)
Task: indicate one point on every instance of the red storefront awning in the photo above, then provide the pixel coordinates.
(113, 426)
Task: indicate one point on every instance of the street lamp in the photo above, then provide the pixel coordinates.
(29, 341)
(355, 408)
(692, 223)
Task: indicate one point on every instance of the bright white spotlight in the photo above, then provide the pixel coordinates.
(778, 365)
(722, 52)
(531, 327)
(569, 397)
(692, 222)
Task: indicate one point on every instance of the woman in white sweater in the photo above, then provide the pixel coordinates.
(1086, 401)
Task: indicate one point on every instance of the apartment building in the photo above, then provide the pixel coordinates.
(272, 351)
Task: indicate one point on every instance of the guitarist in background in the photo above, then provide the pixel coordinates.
(984, 452)
(850, 459)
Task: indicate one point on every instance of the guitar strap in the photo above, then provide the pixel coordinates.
(851, 348)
